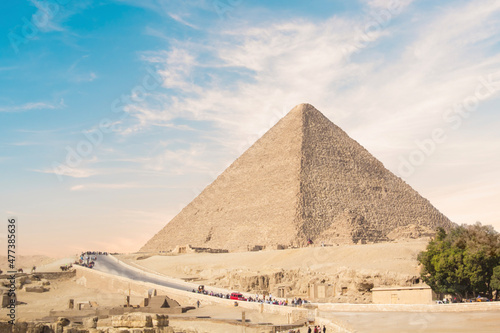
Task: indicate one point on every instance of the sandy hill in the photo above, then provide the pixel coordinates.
(383, 258)
(26, 262)
(304, 179)
(355, 267)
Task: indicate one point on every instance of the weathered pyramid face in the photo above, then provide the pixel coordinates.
(305, 179)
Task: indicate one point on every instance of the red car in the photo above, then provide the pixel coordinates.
(237, 296)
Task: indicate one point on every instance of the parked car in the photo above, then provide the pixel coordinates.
(482, 299)
(237, 296)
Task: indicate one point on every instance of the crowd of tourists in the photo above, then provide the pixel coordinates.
(311, 329)
(88, 258)
(316, 329)
(258, 298)
(94, 253)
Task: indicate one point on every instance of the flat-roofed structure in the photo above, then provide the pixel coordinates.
(421, 294)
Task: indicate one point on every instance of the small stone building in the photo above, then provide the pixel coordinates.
(421, 294)
(320, 290)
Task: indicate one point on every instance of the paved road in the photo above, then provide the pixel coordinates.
(110, 265)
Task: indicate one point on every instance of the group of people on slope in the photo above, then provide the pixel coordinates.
(314, 329)
(88, 258)
(258, 298)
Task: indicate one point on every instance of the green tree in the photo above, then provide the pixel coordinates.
(495, 280)
(461, 261)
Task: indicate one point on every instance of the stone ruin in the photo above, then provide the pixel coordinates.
(154, 304)
(191, 249)
(129, 323)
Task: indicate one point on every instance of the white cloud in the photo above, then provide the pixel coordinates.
(182, 21)
(26, 143)
(394, 5)
(179, 161)
(31, 106)
(108, 186)
(63, 170)
(302, 61)
(44, 18)
(51, 15)
(386, 97)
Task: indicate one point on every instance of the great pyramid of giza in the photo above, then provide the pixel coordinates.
(305, 179)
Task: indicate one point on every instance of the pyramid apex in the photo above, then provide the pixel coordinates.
(303, 107)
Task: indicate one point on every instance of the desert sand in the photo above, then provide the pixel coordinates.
(26, 263)
(352, 266)
(398, 257)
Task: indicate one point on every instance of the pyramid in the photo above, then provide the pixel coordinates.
(305, 179)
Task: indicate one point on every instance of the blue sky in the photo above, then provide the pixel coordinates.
(116, 114)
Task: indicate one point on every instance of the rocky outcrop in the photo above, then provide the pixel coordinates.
(345, 286)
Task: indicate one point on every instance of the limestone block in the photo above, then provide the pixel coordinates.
(132, 320)
(36, 289)
(90, 322)
(75, 330)
(160, 320)
(63, 321)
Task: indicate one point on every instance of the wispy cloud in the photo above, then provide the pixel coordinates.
(69, 172)
(178, 161)
(274, 68)
(109, 186)
(33, 106)
(77, 62)
(254, 75)
(182, 21)
(26, 143)
(50, 16)
(44, 131)
(45, 16)
(149, 31)
(77, 75)
(86, 77)
(384, 4)
(285, 64)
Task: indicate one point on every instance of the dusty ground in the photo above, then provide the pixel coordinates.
(398, 258)
(26, 262)
(351, 266)
(38, 305)
(399, 322)
(394, 257)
